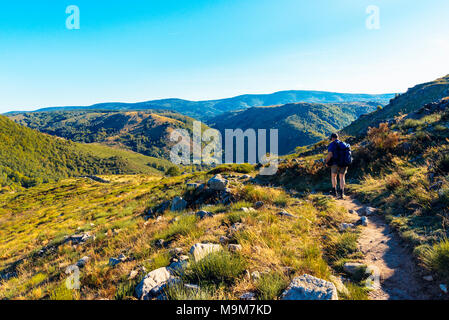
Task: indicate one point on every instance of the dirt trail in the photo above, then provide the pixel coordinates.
(400, 278)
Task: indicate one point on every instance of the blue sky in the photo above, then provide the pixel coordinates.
(138, 50)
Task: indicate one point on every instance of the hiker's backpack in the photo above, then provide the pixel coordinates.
(344, 154)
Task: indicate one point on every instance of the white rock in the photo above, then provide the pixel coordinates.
(345, 226)
(307, 287)
(370, 211)
(217, 183)
(200, 250)
(428, 278)
(153, 283)
(82, 262)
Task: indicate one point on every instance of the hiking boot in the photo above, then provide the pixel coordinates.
(341, 194)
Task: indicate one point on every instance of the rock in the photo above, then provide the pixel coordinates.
(258, 204)
(364, 221)
(217, 183)
(134, 273)
(201, 250)
(248, 296)
(176, 251)
(244, 209)
(370, 211)
(234, 247)
(162, 207)
(179, 265)
(115, 261)
(345, 226)
(223, 240)
(255, 275)
(79, 238)
(82, 262)
(178, 204)
(192, 185)
(183, 258)
(339, 285)
(153, 283)
(284, 213)
(428, 278)
(236, 227)
(352, 212)
(307, 287)
(443, 288)
(160, 243)
(204, 214)
(354, 267)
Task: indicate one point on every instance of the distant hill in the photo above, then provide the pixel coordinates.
(412, 100)
(145, 132)
(28, 157)
(210, 108)
(299, 124)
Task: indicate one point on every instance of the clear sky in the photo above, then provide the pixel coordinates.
(137, 50)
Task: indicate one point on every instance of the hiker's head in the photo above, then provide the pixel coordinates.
(334, 136)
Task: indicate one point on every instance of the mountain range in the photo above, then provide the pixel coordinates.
(209, 108)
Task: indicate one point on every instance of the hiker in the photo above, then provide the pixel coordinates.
(338, 158)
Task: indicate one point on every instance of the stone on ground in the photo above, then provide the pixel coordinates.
(217, 183)
(307, 287)
(178, 204)
(153, 283)
(354, 267)
(234, 247)
(201, 250)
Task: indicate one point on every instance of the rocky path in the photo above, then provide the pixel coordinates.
(400, 278)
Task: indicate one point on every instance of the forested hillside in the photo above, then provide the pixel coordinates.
(299, 124)
(28, 157)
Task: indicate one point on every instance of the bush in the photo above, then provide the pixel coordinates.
(271, 285)
(173, 171)
(240, 168)
(436, 258)
(216, 268)
(383, 138)
(179, 291)
(185, 225)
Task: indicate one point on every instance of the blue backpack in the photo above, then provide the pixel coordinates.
(344, 154)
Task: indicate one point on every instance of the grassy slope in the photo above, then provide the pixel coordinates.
(43, 215)
(410, 101)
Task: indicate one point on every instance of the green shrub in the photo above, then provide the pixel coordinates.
(179, 291)
(173, 171)
(271, 285)
(240, 168)
(61, 293)
(216, 268)
(185, 225)
(436, 258)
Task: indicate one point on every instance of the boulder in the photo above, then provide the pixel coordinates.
(307, 287)
(79, 238)
(364, 221)
(345, 226)
(161, 208)
(153, 283)
(370, 211)
(201, 250)
(179, 265)
(115, 261)
(224, 240)
(236, 227)
(178, 204)
(234, 247)
(286, 214)
(82, 262)
(258, 205)
(204, 214)
(192, 185)
(218, 183)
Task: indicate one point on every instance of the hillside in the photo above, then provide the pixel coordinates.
(145, 132)
(28, 157)
(402, 169)
(205, 109)
(410, 101)
(299, 124)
